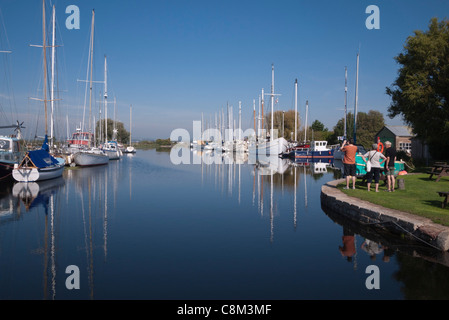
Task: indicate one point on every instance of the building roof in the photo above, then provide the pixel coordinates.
(401, 131)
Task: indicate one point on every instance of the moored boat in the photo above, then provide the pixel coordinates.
(82, 152)
(90, 157)
(87, 154)
(38, 165)
(318, 150)
(10, 154)
(129, 149)
(111, 150)
(269, 147)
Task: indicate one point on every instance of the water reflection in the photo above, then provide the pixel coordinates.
(8, 204)
(144, 228)
(379, 241)
(269, 175)
(375, 245)
(62, 217)
(30, 196)
(421, 269)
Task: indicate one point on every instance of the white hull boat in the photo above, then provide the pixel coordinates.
(129, 149)
(275, 147)
(93, 157)
(112, 155)
(112, 150)
(38, 174)
(38, 165)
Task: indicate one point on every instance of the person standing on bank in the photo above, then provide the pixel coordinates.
(374, 157)
(349, 151)
(390, 154)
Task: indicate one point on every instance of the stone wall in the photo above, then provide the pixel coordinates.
(395, 221)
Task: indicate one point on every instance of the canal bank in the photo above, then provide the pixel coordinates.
(397, 222)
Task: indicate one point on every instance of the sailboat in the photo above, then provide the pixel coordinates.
(130, 148)
(109, 147)
(10, 152)
(272, 146)
(39, 164)
(296, 147)
(88, 154)
(338, 154)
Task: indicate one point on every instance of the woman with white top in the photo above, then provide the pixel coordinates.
(374, 157)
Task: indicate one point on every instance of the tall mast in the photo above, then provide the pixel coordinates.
(44, 47)
(346, 98)
(91, 62)
(240, 120)
(262, 108)
(356, 98)
(296, 107)
(254, 114)
(228, 120)
(114, 131)
(100, 119)
(130, 124)
(232, 123)
(258, 120)
(305, 127)
(52, 78)
(105, 100)
(272, 102)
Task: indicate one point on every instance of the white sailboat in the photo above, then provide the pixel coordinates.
(338, 154)
(38, 165)
(109, 147)
(130, 148)
(90, 155)
(272, 146)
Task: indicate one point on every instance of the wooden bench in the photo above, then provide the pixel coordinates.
(439, 171)
(445, 195)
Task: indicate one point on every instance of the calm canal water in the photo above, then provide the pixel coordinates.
(144, 228)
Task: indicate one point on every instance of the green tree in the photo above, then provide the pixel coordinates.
(289, 123)
(368, 124)
(122, 134)
(318, 126)
(420, 94)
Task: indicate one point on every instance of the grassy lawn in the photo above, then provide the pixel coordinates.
(420, 196)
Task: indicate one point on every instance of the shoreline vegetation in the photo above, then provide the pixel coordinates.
(154, 144)
(142, 145)
(419, 197)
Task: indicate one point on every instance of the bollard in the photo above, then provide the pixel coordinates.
(401, 184)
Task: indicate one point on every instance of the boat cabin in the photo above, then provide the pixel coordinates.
(9, 144)
(320, 146)
(81, 139)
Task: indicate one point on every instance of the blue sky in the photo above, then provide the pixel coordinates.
(173, 60)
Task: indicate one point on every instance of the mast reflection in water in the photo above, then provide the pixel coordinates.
(144, 228)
